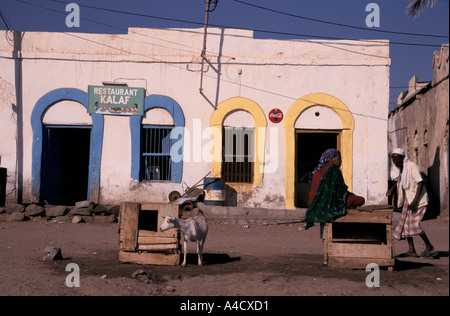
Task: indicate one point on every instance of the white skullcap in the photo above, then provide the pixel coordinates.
(395, 172)
(398, 151)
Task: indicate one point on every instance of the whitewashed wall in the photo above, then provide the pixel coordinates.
(272, 73)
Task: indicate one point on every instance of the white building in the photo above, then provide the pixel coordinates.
(331, 94)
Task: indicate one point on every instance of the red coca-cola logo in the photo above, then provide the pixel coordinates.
(276, 115)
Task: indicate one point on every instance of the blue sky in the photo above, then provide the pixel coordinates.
(411, 53)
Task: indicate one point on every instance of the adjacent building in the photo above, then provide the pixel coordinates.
(419, 125)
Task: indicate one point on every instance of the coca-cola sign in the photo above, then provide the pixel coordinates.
(276, 115)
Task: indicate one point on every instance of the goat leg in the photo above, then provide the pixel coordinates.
(199, 253)
(185, 252)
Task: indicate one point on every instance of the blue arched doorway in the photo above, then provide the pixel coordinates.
(40, 141)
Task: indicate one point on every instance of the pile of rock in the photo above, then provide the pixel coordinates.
(82, 212)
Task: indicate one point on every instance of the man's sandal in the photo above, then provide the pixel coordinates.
(407, 254)
(434, 255)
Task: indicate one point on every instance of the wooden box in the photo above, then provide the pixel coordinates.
(140, 238)
(360, 238)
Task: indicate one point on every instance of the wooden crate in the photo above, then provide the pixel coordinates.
(360, 238)
(140, 238)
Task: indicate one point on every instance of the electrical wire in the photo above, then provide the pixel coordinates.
(242, 28)
(125, 31)
(53, 10)
(212, 5)
(5, 21)
(131, 14)
(338, 24)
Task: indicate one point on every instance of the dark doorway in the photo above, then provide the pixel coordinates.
(309, 146)
(65, 175)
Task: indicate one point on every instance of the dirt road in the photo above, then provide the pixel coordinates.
(260, 260)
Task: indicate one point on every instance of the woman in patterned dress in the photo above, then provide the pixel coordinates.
(329, 197)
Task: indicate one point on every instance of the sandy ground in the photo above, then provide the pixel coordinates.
(282, 260)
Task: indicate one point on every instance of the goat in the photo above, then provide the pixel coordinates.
(192, 229)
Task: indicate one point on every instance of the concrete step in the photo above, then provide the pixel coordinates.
(251, 216)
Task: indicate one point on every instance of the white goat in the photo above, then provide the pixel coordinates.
(192, 229)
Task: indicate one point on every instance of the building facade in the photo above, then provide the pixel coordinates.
(259, 115)
(419, 125)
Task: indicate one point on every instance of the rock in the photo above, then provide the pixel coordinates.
(83, 204)
(113, 209)
(139, 273)
(77, 219)
(34, 210)
(53, 253)
(55, 210)
(170, 288)
(99, 209)
(14, 208)
(38, 219)
(4, 217)
(105, 219)
(91, 206)
(80, 211)
(88, 219)
(16, 217)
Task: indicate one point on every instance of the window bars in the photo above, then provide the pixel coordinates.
(156, 161)
(238, 155)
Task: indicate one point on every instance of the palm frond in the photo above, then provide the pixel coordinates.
(416, 7)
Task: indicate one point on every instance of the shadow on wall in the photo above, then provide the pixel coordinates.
(231, 195)
(432, 184)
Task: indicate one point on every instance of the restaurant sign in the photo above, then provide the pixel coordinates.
(116, 100)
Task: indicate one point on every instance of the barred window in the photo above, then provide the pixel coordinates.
(155, 158)
(238, 154)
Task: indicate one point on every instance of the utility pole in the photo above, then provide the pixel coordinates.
(17, 55)
(210, 5)
(18, 107)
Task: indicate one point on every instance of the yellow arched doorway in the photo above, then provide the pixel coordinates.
(346, 140)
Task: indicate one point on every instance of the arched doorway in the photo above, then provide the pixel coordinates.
(343, 138)
(47, 140)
